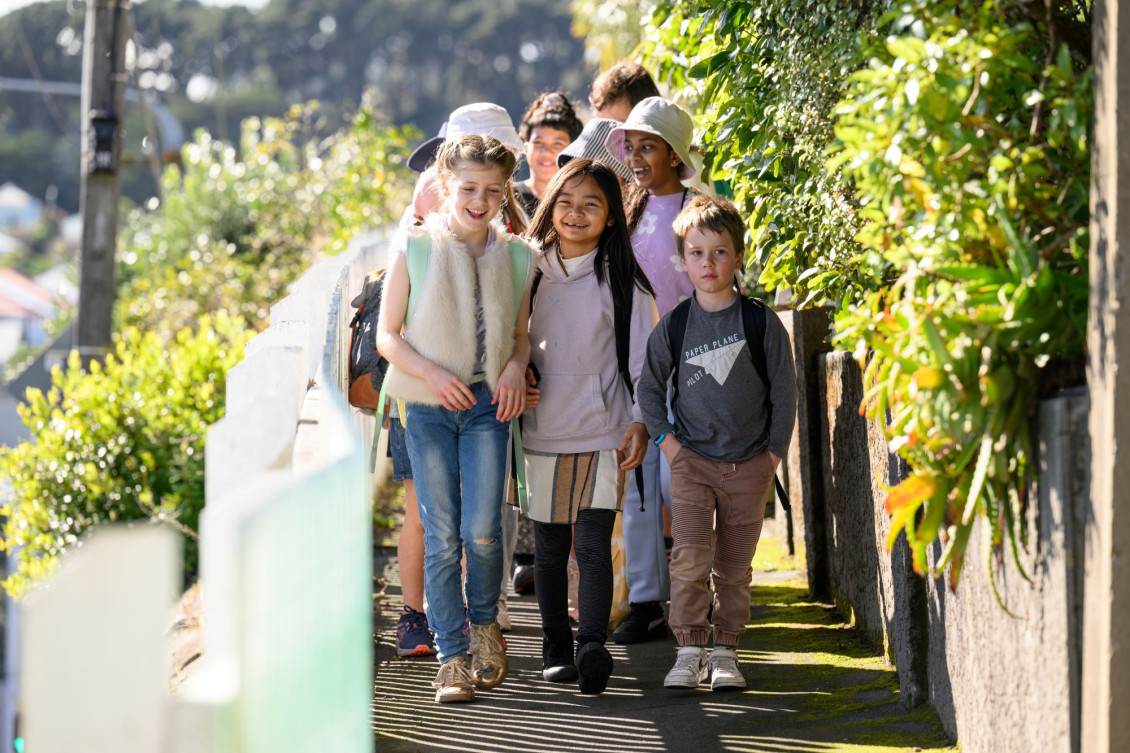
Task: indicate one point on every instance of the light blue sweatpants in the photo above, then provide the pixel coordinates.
(648, 576)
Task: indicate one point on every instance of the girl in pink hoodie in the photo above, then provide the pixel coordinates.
(585, 434)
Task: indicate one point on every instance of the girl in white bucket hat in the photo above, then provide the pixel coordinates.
(477, 119)
(654, 143)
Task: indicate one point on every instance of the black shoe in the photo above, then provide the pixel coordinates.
(644, 623)
(594, 665)
(524, 580)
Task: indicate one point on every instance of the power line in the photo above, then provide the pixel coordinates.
(33, 64)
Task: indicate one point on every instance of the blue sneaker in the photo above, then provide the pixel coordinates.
(413, 638)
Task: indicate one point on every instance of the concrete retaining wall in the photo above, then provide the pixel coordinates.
(999, 683)
(803, 480)
(1004, 683)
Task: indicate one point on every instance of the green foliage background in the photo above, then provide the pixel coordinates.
(121, 441)
(418, 59)
(924, 168)
(197, 274)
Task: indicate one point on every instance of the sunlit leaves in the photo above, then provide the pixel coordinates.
(924, 167)
(237, 227)
(121, 441)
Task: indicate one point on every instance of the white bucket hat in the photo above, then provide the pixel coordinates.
(591, 145)
(661, 118)
(478, 119)
(484, 119)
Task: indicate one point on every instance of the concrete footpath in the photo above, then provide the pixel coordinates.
(815, 684)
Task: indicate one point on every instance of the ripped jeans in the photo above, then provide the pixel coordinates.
(459, 465)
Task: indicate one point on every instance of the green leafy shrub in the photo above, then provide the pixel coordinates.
(197, 272)
(122, 441)
(362, 176)
(924, 167)
(764, 78)
(973, 155)
(235, 228)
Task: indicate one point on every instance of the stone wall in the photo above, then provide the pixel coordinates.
(1000, 683)
(801, 470)
(878, 588)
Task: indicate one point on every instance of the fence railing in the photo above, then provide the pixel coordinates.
(286, 570)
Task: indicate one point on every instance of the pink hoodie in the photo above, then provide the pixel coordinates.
(584, 401)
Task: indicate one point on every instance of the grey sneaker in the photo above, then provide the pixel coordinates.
(689, 669)
(724, 671)
(453, 682)
(490, 666)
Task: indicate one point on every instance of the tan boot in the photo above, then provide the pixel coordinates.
(489, 666)
(453, 682)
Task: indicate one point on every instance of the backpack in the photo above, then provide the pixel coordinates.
(622, 327)
(367, 368)
(753, 322)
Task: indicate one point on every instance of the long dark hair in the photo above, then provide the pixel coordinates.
(615, 264)
(635, 204)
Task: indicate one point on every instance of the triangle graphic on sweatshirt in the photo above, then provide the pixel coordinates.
(719, 362)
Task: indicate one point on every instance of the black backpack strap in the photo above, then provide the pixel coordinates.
(676, 331)
(622, 325)
(753, 322)
(534, 286)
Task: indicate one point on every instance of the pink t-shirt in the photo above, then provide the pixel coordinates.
(654, 246)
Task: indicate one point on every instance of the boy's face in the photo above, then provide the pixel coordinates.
(710, 260)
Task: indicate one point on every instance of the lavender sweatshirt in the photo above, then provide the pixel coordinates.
(584, 402)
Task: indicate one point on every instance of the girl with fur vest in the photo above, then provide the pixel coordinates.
(458, 367)
(585, 433)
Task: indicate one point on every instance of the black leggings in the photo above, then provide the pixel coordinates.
(593, 547)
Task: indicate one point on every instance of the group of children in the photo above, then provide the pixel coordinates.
(599, 302)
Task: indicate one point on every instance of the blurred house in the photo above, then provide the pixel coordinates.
(19, 210)
(10, 245)
(24, 306)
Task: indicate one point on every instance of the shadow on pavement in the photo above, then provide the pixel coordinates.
(814, 685)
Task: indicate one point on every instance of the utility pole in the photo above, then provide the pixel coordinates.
(103, 100)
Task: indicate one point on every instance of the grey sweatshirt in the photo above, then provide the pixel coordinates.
(721, 410)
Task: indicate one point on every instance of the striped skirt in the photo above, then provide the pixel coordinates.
(560, 486)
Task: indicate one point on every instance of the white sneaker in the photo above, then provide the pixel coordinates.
(504, 617)
(724, 671)
(689, 669)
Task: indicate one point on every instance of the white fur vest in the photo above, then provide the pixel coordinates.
(444, 325)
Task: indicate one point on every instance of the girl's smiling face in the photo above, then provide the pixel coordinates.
(653, 162)
(474, 196)
(580, 215)
(542, 149)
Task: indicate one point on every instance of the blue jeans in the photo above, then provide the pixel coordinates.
(459, 464)
(398, 451)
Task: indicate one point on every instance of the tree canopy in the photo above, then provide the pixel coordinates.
(213, 67)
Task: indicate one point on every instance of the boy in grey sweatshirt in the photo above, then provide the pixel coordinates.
(730, 431)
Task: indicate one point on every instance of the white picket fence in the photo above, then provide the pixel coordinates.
(286, 571)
